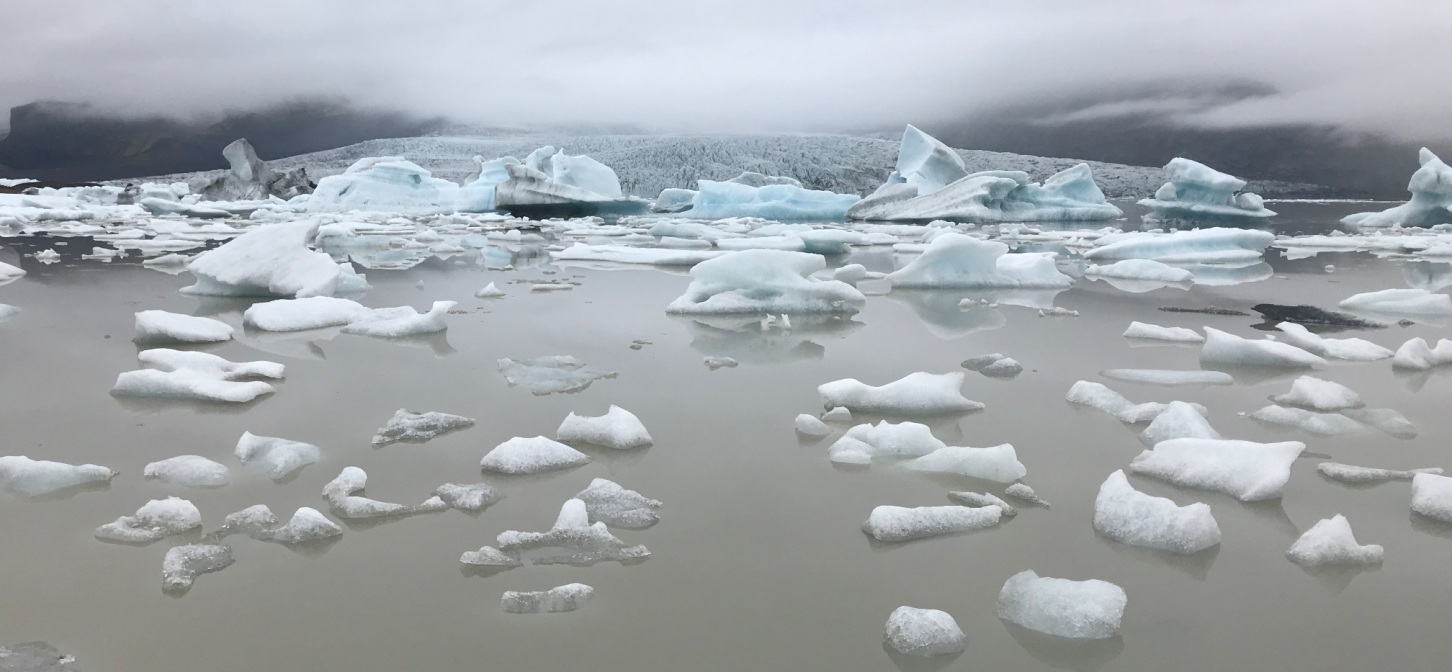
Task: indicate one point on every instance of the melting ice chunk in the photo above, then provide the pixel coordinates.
(1416, 355)
(532, 456)
(22, 475)
(918, 393)
(608, 502)
(998, 464)
(402, 322)
(271, 260)
(572, 541)
(1131, 517)
(1319, 395)
(956, 261)
(549, 375)
(618, 429)
(1245, 470)
(1096, 395)
(1347, 473)
(1178, 421)
(1413, 302)
(413, 427)
(195, 375)
(183, 564)
(924, 632)
(1324, 424)
(280, 458)
(155, 520)
(810, 425)
(190, 470)
(472, 497)
(1432, 496)
(994, 365)
(1350, 349)
(764, 281)
(1232, 350)
(1159, 333)
(1330, 542)
(1089, 609)
(1169, 377)
(250, 521)
(864, 443)
(307, 525)
(568, 597)
(159, 326)
(897, 523)
(343, 500)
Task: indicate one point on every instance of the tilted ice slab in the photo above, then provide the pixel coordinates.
(898, 524)
(190, 470)
(549, 375)
(183, 564)
(1349, 349)
(618, 429)
(343, 500)
(271, 260)
(997, 463)
(1231, 350)
(1431, 202)
(1418, 356)
(196, 375)
(1414, 302)
(1096, 395)
(1159, 333)
(956, 261)
(159, 326)
(1169, 377)
(1131, 517)
(764, 281)
(864, 443)
(1330, 542)
(1432, 496)
(568, 597)
(1322, 424)
(1090, 609)
(402, 322)
(1179, 420)
(571, 541)
(1245, 470)
(606, 501)
(1347, 473)
(1141, 269)
(155, 520)
(781, 202)
(472, 497)
(279, 458)
(413, 427)
(1197, 191)
(1319, 395)
(1216, 245)
(923, 632)
(532, 456)
(918, 393)
(925, 163)
(22, 475)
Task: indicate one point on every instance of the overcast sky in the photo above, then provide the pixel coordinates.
(741, 65)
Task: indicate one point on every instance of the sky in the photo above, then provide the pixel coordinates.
(747, 65)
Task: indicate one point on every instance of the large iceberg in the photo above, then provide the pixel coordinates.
(956, 261)
(272, 260)
(250, 179)
(388, 184)
(1197, 191)
(720, 200)
(1431, 202)
(549, 180)
(764, 281)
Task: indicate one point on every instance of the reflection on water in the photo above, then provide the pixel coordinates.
(743, 338)
(1061, 653)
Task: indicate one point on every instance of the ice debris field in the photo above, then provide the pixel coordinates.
(959, 362)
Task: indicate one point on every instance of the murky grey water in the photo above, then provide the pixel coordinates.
(759, 562)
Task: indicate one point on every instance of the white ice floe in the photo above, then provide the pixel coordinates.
(343, 500)
(413, 427)
(1432, 496)
(998, 463)
(1418, 356)
(1024, 493)
(924, 632)
(1159, 333)
(183, 564)
(1347, 473)
(1089, 609)
(648, 256)
(271, 260)
(1319, 395)
(1131, 517)
(155, 520)
(780, 202)
(315, 312)
(1096, 395)
(1386, 420)
(9, 273)
(918, 393)
(22, 475)
(568, 597)
(606, 501)
(1169, 377)
(956, 261)
(1330, 542)
(1179, 420)
(810, 425)
(251, 521)
(983, 499)
(714, 363)
(1350, 349)
(532, 456)
(306, 525)
(1431, 202)
(1141, 269)
(994, 365)
(159, 326)
(1323, 424)
(1197, 191)
(179, 374)
(189, 470)
(764, 281)
(571, 541)
(1245, 470)
(490, 291)
(472, 497)
(279, 458)
(550, 375)
(1413, 302)
(618, 429)
(402, 322)
(1231, 350)
(897, 523)
(1217, 245)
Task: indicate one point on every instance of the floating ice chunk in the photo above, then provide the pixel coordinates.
(1385, 420)
(190, 470)
(1158, 333)
(1231, 350)
(155, 520)
(402, 322)
(839, 415)
(389, 184)
(764, 281)
(159, 326)
(1417, 355)
(351, 281)
(1319, 395)
(1347, 473)
(926, 163)
(1432, 496)
(1141, 269)
(1417, 302)
(983, 499)
(781, 202)
(924, 632)
(280, 458)
(608, 502)
(412, 427)
(489, 556)
(532, 456)
(183, 564)
(1330, 542)
(1245, 470)
(1057, 311)
(195, 375)
(8, 311)
(472, 497)
(1197, 191)
(897, 523)
(994, 365)
(548, 375)
(850, 274)
(568, 597)
(998, 464)
(1323, 424)
(162, 207)
(1089, 609)
(1217, 245)
(22, 475)
(271, 260)
(341, 493)
(618, 429)
(1431, 202)
(1351, 349)
(314, 312)
(918, 393)
(956, 261)
(1169, 377)
(1021, 491)
(1096, 395)
(572, 541)
(1179, 420)
(250, 521)
(1132, 517)
(864, 443)
(9, 273)
(307, 525)
(714, 363)
(620, 254)
(809, 425)
(490, 291)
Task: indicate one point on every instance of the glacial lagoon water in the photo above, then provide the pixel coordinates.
(759, 562)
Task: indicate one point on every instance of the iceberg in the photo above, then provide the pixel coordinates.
(1089, 609)
(316, 312)
(388, 184)
(9, 273)
(956, 261)
(411, 427)
(279, 458)
(532, 456)
(402, 322)
(606, 501)
(864, 443)
(195, 375)
(271, 260)
(155, 520)
(571, 541)
(1432, 496)
(1347, 473)
(1416, 355)
(250, 521)
(249, 178)
(924, 632)
(1231, 350)
(998, 464)
(183, 564)
(472, 498)
(1245, 470)
(549, 179)
(1416, 302)
(564, 598)
(1131, 517)
(1179, 420)
(1169, 377)
(1155, 332)
(1431, 202)
(983, 499)
(918, 393)
(781, 202)
(159, 326)
(811, 425)
(1099, 396)
(1207, 246)
(894, 524)
(1348, 349)
(1319, 395)
(1197, 191)
(1141, 269)
(193, 471)
(764, 281)
(618, 429)
(32, 478)
(1330, 542)
(307, 525)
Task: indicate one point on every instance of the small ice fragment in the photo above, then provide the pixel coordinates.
(1245, 470)
(608, 502)
(1155, 332)
(183, 564)
(307, 525)
(998, 464)
(809, 425)
(1022, 491)
(1089, 609)
(618, 429)
(1132, 517)
(983, 499)
(490, 291)
(1169, 377)
(550, 287)
(549, 375)
(1178, 421)
(190, 470)
(280, 458)
(1330, 542)
(1058, 311)
(1319, 395)
(864, 443)
(568, 597)
(838, 415)
(1347, 473)
(250, 521)
(924, 632)
(472, 497)
(850, 274)
(534, 455)
(1350, 349)
(1432, 496)
(1385, 420)
(343, 500)
(994, 365)
(897, 523)
(1323, 424)
(402, 322)
(22, 475)
(159, 326)
(915, 394)
(414, 427)
(156, 519)
(1418, 356)
(719, 362)
(1418, 302)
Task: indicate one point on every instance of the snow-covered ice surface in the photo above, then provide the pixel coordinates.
(1330, 542)
(534, 455)
(178, 374)
(618, 429)
(22, 475)
(159, 326)
(1245, 470)
(897, 523)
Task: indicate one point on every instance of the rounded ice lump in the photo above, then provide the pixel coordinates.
(1090, 609)
(1132, 517)
(924, 632)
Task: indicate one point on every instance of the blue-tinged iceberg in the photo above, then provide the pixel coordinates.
(930, 182)
(956, 261)
(720, 200)
(1207, 246)
(1197, 191)
(385, 184)
(764, 281)
(1431, 203)
(550, 182)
